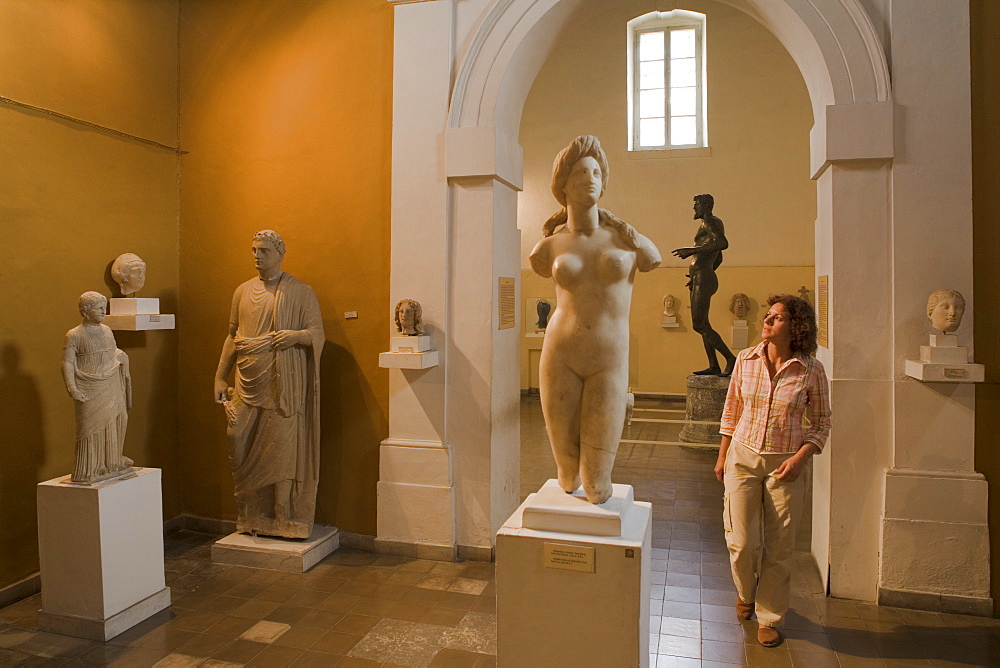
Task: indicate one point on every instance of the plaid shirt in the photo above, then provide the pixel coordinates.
(765, 415)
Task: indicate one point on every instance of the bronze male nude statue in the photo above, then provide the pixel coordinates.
(710, 241)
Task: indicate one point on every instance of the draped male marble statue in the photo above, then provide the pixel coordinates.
(97, 377)
(274, 342)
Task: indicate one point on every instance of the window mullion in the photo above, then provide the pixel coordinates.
(666, 88)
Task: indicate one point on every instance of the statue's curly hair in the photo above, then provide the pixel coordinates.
(418, 315)
(89, 300)
(801, 320)
(273, 238)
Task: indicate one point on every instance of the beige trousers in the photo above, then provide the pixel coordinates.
(760, 515)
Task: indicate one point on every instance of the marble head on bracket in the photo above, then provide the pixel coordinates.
(945, 309)
(129, 272)
(409, 317)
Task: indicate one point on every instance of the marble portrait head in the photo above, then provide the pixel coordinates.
(945, 309)
(669, 305)
(739, 305)
(93, 306)
(584, 146)
(129, 272)
(409, 317)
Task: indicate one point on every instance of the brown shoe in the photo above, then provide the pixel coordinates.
(743, 610)
(768, 636)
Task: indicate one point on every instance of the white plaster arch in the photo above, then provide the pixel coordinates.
(449, 470)
(834, 44)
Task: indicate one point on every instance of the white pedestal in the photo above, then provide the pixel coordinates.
(422, 360)
(944, 361)
(669, 321)
(133, 314)
(277, 554)
(100, 551)
(571, 599)
(740, 334)
(409, 344)
(135, 323)
(134, 306)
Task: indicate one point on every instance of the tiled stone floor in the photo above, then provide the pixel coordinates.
(359, 609)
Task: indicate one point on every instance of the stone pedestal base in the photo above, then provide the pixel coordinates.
(706, 395)
(935, 529)
(100, 550)
(277, 554)
(740, 334)
(571, 599)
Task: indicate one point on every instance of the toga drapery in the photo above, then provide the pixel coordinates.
(273, 414)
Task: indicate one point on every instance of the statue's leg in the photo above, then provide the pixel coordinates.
(605, 398)
(701, 299)
(561, 391)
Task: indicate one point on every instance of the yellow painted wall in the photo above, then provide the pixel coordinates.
(985, 16)
(759, 117)
(73, 198)
(285, 112)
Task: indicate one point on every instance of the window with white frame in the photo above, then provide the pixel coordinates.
(666, 81)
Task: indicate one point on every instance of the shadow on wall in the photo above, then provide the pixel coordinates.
(350, 434)
(22, 454)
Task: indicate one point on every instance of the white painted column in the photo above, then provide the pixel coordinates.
(416, 509)
(935, 538)
(484, 169)
(851, 152)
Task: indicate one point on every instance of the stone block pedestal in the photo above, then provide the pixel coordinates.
(100, 550)
(277, 554)
(568, 598)
(706, 396)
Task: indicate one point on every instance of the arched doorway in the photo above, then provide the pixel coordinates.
(462, 74)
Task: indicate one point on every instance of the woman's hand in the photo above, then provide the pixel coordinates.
(791, 468)
(720, 467)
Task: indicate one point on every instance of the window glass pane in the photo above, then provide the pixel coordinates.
(651, 46)
(683, 130)
(651, 74)
(652, 103)
(651, 132)
(682, 73)
(682, 43)
(683, 101)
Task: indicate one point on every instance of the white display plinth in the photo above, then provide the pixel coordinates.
(740, 334)
(134, 306)
(422, 360)
(573, 599)
(552, 509)
(135, 323)
(100, 550)
(132, 314)
(669, 321)
(944, 361)
(277, 554)
(409, 344)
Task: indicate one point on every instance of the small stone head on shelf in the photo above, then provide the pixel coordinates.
(129, 272)
(739, 305)
(945, 309)
(409, 317)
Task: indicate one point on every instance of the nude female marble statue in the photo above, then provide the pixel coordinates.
(709, 242)
(583, 372)
(945, 309)
(409, 317)
(274, 342)
(129, 272)
(97, 377)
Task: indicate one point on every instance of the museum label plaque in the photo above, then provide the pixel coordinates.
(505, 302)
(822, 311)
(569, 557)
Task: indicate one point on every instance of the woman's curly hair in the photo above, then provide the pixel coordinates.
(801, 321)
